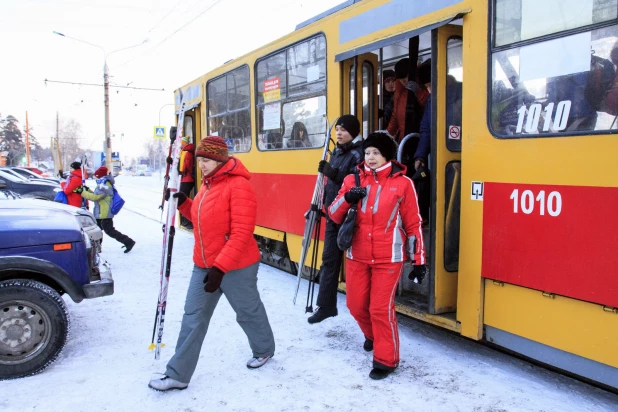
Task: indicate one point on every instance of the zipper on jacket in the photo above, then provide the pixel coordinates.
(199, 226)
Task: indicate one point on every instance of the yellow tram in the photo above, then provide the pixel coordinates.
(522, 234)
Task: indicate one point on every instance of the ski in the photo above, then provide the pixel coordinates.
(313, 215)
(173, 184)
(166, 179)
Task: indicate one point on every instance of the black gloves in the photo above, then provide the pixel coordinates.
(79, 190)
(178, 195)
(213, 279)
(327, 170)
(355, 194)
(418, 274)
(169, 160)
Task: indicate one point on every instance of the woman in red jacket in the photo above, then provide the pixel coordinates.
(226, 260)
(388, 231)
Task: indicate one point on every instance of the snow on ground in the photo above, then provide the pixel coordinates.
(106, 364)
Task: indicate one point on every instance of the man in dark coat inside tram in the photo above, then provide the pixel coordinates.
(346, 156)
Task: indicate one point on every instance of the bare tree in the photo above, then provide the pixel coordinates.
(156, 151)
(69, 136)
(11, 140)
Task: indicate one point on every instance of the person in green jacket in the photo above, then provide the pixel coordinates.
(102, 198)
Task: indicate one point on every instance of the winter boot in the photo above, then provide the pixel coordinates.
(129, 245)
(322, 313)
(368, 345)
(378, 374)
(165, 383)
(255, 363)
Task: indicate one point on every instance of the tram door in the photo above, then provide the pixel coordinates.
(447, 82)
(360, 96)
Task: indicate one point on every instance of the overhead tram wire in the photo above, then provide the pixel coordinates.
(171, 35)
(111, 85)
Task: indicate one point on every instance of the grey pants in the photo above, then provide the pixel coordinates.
(240, 289)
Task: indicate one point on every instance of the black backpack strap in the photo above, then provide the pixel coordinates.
(357, 179)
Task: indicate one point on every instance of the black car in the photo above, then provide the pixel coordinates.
(30, 175)
(26, 188)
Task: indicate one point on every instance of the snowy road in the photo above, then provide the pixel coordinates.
(106, 364)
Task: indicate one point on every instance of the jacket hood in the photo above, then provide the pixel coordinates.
(232, 167)
(107, 178)
(77, 173)
(190, 147)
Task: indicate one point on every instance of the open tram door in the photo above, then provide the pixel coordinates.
(435, 299)
(360, 96)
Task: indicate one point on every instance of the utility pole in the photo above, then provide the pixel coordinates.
(108, 137)
(27, 141)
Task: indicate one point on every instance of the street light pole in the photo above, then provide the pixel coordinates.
(108, 136)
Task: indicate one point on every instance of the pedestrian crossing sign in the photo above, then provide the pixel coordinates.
(159, 132)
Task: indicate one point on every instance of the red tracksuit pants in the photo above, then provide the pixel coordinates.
(370, 295)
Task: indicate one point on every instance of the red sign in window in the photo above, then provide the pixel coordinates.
(558, 239)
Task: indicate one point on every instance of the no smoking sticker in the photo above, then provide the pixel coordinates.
(454, 132)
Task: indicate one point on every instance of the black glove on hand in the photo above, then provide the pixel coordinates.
(87, 189)
(169, 160)
(79, 190)
(355, 194)
(178, 195)
(213, 279)
(327, 170)
(418, 274)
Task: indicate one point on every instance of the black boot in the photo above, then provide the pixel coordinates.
(129, 245)
(368, 345)
(322, 313)
(378, 374)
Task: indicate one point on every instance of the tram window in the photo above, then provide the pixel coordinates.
(558, 86)
(367, 98)
(454, 81)
(188, 128)
(307, 67)
(229, 113)
(353, 90)
(518, 20)
(287, 117)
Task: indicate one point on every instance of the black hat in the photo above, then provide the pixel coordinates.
(76, 165)
(383, 142)
(424, 72)
(401, 68)
(388, 74)
(350, 123)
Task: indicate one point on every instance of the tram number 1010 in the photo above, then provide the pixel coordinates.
(552, 203)
(531, 124)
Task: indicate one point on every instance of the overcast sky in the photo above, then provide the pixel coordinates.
(184, 39)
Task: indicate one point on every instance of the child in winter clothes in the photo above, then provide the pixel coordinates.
(73, 185)
(103, 197)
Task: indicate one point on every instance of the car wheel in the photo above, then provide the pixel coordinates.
(34, 327)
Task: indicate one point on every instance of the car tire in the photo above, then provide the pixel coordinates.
(34, 327)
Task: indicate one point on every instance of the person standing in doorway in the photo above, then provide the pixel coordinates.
(226, 258)
(346, 156)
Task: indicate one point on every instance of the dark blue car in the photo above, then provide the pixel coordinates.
(44, 253)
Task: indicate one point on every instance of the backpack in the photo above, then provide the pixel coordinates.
(600, 81)
(61, 197)
(117, 202)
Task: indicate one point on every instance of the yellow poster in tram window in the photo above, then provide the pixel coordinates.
(272, 92)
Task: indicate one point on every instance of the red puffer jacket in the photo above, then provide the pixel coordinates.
(223, 215)
(388, 223)
(74, 181)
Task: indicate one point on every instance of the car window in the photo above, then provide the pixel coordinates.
(10, 177)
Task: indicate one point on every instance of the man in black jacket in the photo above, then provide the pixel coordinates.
(346, 156)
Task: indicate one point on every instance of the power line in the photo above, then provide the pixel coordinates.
(171, 35)
(92, 84)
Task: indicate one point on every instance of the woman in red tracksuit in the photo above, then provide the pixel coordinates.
(388, 231)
